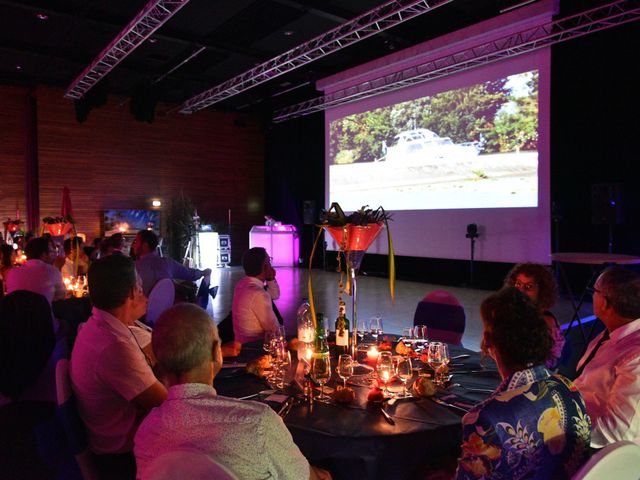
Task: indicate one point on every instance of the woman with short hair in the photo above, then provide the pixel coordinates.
(537, 283)
(534, 425)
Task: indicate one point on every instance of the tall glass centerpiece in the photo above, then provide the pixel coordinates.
(354, 234)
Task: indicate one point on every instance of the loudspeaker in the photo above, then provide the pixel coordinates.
(224, 248)
(606, 204)
(309, 212)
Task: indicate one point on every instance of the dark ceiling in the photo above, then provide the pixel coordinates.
(52, 41)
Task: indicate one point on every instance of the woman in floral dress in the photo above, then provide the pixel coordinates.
(534, 425)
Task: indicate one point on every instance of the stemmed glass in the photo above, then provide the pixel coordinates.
(385, 368)
(362, 329)
(345, 368)
(321, 373)
(269, 337)
(438, 359)
(375, 326)
(404, 370)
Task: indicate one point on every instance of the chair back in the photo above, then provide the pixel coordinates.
(443, 315)
(72, 423)
(183, 464)
(161, 298)
(619, 461)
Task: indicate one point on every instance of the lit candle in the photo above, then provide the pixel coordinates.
(372, 356)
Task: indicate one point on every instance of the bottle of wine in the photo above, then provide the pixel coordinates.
(342, 331)
(320, 343)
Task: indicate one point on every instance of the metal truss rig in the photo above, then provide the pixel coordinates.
(584, 23)
(154, 14)
(370, 23)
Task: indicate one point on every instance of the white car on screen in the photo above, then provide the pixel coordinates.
(422, 146)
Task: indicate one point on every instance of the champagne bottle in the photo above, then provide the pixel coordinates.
(342, 331)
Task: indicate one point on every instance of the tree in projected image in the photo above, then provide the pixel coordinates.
(516, 126)
(498, 115)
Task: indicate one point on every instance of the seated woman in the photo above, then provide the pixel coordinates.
(535, 424)
(537, 283)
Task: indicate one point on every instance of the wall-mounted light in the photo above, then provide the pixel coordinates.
(156, 203)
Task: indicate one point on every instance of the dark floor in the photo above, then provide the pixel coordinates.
(373, 299)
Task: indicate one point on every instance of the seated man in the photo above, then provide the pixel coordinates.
(110, 374)
(38, 274)
(151, 267)
(252, 311)
(76, 261)
(609, 371)
(246, 437)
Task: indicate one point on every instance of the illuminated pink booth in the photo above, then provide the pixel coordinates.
(280, 241)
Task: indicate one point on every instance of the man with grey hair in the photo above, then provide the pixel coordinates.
(246, 437)
(609, 371)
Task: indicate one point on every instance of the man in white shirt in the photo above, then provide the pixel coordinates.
(252, 311)
(38, 274)
(111, 375)
(609, 371)
(248, 438)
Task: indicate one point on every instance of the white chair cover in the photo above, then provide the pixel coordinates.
(161, 298)
(186, 464)
(619, 461)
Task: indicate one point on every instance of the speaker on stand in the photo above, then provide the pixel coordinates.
(224, 251)
(309, 217)
(606, 207)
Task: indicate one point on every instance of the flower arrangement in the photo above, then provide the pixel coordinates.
(54, 220)
(354, 234)
(12, 226)
(58, 226)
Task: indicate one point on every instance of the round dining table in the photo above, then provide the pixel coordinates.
(355, 440)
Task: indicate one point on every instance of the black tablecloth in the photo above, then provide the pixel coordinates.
(355, 441)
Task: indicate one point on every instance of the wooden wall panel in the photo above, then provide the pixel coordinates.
(114, 161)
(13, 103)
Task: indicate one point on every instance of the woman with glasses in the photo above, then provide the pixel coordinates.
(537, 283)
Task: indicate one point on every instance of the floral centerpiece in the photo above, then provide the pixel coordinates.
(354, 234)
(58, 226)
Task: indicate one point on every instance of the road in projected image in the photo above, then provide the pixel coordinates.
(500, 180)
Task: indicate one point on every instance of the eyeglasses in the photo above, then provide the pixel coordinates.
(525, 286)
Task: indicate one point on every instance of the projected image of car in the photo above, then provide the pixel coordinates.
(422, 146)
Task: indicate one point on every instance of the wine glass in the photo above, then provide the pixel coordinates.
(437, 358)
(362, 329)
(321, 373)
(407, 334)
(345, 368)
(269, 336)
(404, 370)
(385, 368)
(375, 326)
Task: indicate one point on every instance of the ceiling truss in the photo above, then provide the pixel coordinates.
(154, 14)
(376, 20)
(584, 23)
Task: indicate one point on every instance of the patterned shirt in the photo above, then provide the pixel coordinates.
(246, 437)
(533, 426)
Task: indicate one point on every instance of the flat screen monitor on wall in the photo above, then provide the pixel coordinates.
(470, 148)
(130, 221)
